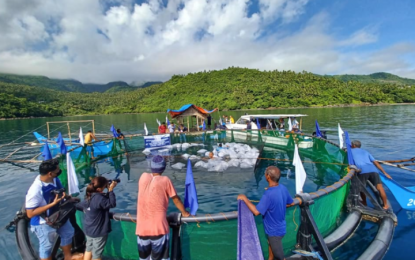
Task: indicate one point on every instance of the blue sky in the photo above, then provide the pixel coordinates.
(136, 40)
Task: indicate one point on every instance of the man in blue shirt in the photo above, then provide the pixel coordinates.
(369, 170)
(272, 208)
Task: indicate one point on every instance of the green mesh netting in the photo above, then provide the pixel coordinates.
(218, 240)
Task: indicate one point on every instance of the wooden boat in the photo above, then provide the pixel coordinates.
(405, 196)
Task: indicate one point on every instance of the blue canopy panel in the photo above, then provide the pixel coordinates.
(175, 113)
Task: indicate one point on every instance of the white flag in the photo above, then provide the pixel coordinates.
(158, 122)
(145, 129)
(72, 178)
(81, 137)
(300, 174)
(290, 126)
(341, 140)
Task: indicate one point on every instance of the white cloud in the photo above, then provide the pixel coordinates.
(95, 43)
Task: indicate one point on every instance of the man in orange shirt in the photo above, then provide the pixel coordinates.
(152, 229)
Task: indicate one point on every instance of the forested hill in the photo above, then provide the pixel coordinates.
(380, 77)
(63, 84)
(232, 88)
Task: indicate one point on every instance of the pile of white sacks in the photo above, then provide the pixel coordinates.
(231, 155)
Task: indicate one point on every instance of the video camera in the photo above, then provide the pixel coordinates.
(116, 180)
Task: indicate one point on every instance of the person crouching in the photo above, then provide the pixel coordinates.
(97, 222)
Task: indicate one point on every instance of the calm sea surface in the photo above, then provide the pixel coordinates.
(385, 131)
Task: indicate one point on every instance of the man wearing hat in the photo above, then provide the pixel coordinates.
(152, 229)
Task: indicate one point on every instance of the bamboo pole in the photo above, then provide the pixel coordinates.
(69, 132)
(406, 164)
(47, 125)
(15, 151)
(396, 166)
(301, 123)
(398, 161)
(93, 126)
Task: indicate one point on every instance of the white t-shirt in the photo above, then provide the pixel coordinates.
(37, 196)
(171, 128)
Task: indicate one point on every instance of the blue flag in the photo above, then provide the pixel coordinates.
(46, 152)
(61, 143)
(257, 124)
(114, 132)
(318, 132)
(349, 149)
(204, 125)
(190, 194)
(167, 121)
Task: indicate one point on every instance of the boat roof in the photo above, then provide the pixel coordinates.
(272, 116)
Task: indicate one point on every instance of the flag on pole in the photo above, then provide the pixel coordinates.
(158, 122)
(61, 143)
(167, 121)
(349, 148)
(145, 129)
(72, 178)
(114, 132)
(257, 124)
(341, 140)
(290, 126)
(318, 132)
(204, 125)
(190, 194)
(46, 152)
(81, 137)
(300, 174)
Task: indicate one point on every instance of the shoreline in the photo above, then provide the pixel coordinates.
(226, 110)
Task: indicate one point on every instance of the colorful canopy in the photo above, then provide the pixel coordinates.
(183, 109)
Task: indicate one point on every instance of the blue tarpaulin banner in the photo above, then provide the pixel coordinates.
(249, 247)
(157, 140)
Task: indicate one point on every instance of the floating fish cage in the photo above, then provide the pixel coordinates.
(209, 235)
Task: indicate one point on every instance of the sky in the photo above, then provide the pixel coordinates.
(98, 41)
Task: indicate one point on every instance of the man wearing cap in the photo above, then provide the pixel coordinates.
(40, 199)
(152, 229)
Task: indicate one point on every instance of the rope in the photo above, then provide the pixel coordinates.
(223, 215)
(295, 223)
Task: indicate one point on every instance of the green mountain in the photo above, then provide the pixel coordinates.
(60, 84)
(228, 89)
(379, 77)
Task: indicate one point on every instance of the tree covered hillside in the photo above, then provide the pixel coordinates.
(232, 88)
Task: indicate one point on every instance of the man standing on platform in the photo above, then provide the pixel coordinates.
(162, 128)
(369, 170)
(272, 208)
(152, 229)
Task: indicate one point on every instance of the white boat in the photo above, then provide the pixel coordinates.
(277, 123)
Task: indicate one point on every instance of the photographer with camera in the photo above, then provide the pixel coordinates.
(42, 200)
(96, 208)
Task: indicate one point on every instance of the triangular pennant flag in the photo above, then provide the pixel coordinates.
(249, 246)
(300, 174)
(61, 143)
(114, 132)
(290, 126)
(158, 122)
(204, 125)
(46, 152)
(257, 124)
(72, 178)
(81, 137)
(145, 129)
(190, 194)
(318, 132)
(341, 140)
(349, 149)
(167, 121)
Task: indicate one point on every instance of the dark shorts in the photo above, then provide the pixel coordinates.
(373, 177)
(276, 247)
(96, 245)
(154, 248)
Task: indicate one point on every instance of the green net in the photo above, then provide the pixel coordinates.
(218, 239)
